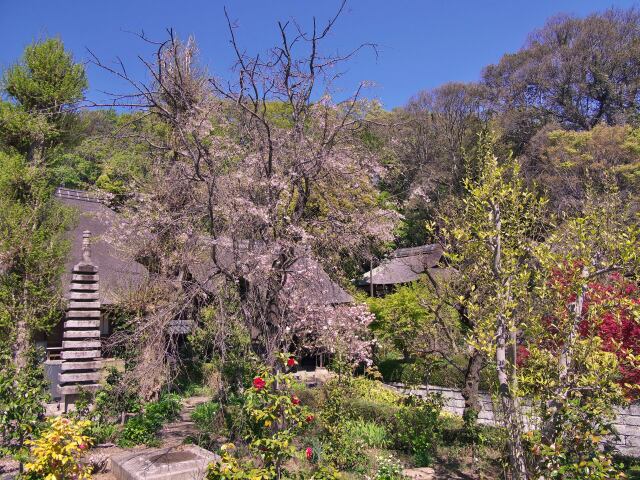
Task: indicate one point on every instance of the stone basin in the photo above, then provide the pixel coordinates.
(175, 463)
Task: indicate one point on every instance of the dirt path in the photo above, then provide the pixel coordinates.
(174, 434)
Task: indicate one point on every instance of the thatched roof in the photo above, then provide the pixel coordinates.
(117, 272)
(404, 265)
(306, 275)
(315, 284)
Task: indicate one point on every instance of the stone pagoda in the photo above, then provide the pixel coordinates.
(81, 355)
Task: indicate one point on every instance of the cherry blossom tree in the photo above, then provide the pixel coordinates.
(249, 177)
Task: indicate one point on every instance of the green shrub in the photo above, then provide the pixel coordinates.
(103, 432)
(205, 415)
(144, 427)
(209, 420)
(139, 430)
(371, 411)
(343, 450)
(417, 428)
(22, 397)
(372, 434)
(374, 391)
(339, 447)
(116, 398)
(321, 472)
(166, 409)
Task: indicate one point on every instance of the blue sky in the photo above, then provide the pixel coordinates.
(423, 43)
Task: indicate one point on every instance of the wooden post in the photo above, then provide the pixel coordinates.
(81, 355)
(371, 291)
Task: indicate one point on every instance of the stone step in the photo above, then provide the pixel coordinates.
(84, 269)
(79, 377)
(89, 365)
(82, 324)
(80, 314)
(85, 278)
(74, 355)
(426, 473)
(80, 334)
(85, 287)
(81, 344)
(84, 296)
(74, 389)
(84, 305)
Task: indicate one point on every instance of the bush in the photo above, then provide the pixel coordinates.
(417, 428)
(58, 451)
(139, 430)
(103, 432)
(22, 398)
(230, 468)
(143, 428)
(371, 434)
(209, 420)
(371, 411)
(374, 391)
(166, 409)
(340, 448)
(205, 416)
(116, 398)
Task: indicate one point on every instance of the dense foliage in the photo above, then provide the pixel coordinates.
(253, 199)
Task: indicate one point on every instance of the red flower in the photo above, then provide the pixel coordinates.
(258, 383)
(522, 354)
(309, 453)
(291, 362)
(310, 418)
(295, 400)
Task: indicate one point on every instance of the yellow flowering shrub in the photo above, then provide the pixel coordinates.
(230, 468)
(57, 452)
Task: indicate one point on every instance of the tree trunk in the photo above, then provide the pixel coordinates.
(21, 345)
(509, 405)
(508, 401)
(552, 427)
(472, 405)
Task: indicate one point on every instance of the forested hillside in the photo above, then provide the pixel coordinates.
(256, 199)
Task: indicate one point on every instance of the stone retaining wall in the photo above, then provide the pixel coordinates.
(627, 423)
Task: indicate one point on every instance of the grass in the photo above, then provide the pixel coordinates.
(371, 434)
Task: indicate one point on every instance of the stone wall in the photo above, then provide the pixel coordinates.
(627, 423)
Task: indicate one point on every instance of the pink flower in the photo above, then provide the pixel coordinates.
(82, 446)
(295, 400)
(309, 453)
(258, 383)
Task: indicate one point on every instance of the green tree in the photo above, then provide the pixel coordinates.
(491, 244)
(573, 381)
(32, 249)
(43, 87)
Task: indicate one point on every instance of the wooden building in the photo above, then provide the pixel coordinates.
(120, 274)
(402, 266)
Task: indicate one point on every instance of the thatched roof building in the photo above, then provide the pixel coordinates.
(404, 265)
(118, 273)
